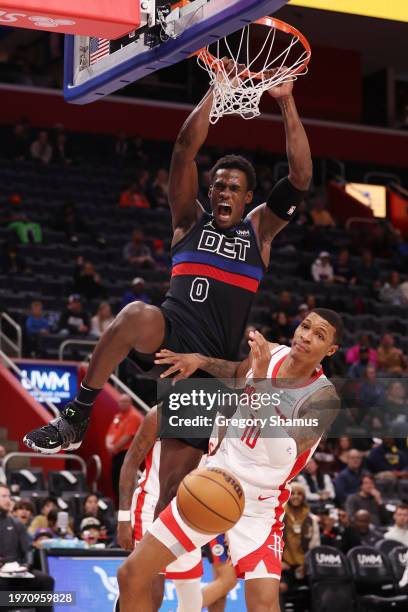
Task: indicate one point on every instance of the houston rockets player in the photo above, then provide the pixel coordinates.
(218, 261)
(263, 464)
(136, 515)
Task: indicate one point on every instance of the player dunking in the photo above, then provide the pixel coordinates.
(218, 262)
(264, 461)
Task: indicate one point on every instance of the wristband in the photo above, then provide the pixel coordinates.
(123, 515)
(284, 199)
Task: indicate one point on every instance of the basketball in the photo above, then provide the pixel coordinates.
(210, 500)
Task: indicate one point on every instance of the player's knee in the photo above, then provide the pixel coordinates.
(128, 319)
(128, 574)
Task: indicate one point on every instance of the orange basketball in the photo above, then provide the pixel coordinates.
(210, 500)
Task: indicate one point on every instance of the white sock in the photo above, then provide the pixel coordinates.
(189, 595)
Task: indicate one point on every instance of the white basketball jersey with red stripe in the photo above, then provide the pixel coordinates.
(264, 464)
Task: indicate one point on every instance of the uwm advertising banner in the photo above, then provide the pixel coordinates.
(102, 18)
(49, 381)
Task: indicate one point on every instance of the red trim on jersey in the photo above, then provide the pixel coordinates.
(138, 528)
(270, 552)
(167, 518)
(277, 366)
(195, 572)
(284, 492)
(189, 269)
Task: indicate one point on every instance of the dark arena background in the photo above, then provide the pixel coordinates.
(85, 230)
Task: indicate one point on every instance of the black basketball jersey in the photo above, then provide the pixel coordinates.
(215, 275)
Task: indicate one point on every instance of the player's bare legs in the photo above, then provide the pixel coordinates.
(262, 595)
(138, 326)
(136, 575)
(176, 460)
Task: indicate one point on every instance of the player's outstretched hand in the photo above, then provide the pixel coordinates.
(261, 354)
(183, 363)
(284, 90)
(125, 535)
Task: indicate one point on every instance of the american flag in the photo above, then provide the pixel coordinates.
(98, 48)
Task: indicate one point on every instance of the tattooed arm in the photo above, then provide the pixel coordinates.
(323, 406)
(141, 445)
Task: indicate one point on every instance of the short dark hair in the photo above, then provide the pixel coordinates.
(236, 162)
(335, 321)
(25, 504)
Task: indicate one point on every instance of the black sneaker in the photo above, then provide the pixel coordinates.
(60, 434)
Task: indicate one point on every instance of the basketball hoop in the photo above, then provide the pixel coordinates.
(238, 84)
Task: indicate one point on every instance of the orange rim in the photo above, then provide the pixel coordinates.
(211, 61)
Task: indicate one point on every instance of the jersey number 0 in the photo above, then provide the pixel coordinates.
(199, 289)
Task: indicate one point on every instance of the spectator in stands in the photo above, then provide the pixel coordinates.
(396, 402)
(386, 460)
(102, 319)
(136, 292)
(62, 153)
(133, 198)
(391, 360)
(69, 221)
(324, 457)
(301, 534)
(90, 508)
(279, 330)
(12, 262)
(371, 391)
(48, 505)
(137, 253)
(24, 512)
(391, 292)
(335, 530)
(348, 480)
(120, 434)
(342, 447)
(162, 259)
(74, 319)
(287, 303)
(40, 149)
(36, 325)
(310, 301)
(322, 270)
(19, 146)
(14, 547)
(303, 311)
(367, 534)
(18, 223)
(353, 353)
(42, 535)
(343, 270)
(136, 151)
(159, 189)
(367, 272)
(368, 498)
(358, 370)
(87, 282)
(318, 486)
(90, 531)
(121, 146)
(320, 216)
(399, 530)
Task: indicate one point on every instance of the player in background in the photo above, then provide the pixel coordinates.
(263, 464)
(218, 261)
(137, 501)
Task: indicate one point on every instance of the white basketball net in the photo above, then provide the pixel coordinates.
(239, 90)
